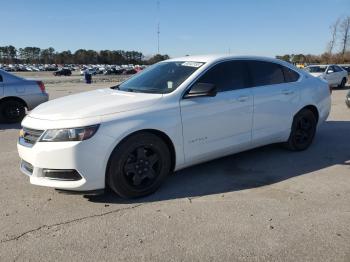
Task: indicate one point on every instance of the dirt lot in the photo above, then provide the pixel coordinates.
(266, 204)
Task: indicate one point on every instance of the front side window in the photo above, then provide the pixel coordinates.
(330, 69)
(265, 73)
(161, 78)
(226, 76)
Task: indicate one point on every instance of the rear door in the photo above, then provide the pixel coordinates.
(276, 97)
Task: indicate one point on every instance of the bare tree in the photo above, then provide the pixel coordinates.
(345, 34)
(334, 30)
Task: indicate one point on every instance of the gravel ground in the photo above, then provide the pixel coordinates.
(266, 204)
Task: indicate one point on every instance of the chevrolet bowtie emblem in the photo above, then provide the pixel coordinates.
(21, 133)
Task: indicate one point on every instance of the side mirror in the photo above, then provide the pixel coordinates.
(330, 71)
(201, 89)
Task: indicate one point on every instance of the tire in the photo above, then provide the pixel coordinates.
(343, 82)
(138, 166)
(12, 111)
(303, 131)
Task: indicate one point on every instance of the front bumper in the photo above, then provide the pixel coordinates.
(89, 158)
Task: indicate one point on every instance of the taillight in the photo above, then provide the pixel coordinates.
(41, 86)
(330, 89)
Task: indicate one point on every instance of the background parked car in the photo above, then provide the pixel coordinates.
(63, 72)
(91, 71)
(18, 94)
(334, 74)
(346, 68)
(347, 100)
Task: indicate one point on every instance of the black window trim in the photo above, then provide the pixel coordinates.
(249, 76)
(1, 79)
(247, 79)
(272, 62)
(285, 81)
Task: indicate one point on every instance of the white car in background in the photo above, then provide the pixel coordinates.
(334, 74)
(172, 115)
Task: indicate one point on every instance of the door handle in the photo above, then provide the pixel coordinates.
(287, 92)
(242, 98)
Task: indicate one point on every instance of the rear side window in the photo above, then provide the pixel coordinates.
(265, 73)
(337, 68)
(290, 75)
(226, 76)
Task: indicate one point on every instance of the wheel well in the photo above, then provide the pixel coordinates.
(168, 142)
(313, 109)
(14, 98)
(162, 136)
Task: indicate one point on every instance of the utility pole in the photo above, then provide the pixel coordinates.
(158, 25)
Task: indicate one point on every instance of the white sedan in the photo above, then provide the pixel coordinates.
(335, 75)
(172, 115)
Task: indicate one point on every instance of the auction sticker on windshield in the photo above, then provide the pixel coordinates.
(192, 64)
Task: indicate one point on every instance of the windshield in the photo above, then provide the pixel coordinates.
(316, 69)
(160, 78)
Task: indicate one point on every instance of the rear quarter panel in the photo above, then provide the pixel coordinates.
(316, 92)
(28, 90)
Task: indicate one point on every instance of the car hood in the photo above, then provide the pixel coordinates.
(316, 74)
(93, 103)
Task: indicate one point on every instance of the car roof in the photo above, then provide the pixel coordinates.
(323, 65)
(218, 57)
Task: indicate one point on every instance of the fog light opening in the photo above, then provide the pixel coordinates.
(62, 174)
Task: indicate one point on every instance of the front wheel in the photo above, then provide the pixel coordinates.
(12, 111)
(303, 131)
(343, 82)
(138, 166)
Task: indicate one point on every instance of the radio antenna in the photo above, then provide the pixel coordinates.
(158, 24)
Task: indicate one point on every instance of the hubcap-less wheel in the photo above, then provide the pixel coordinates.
(11, 111)
(343, 82)
(138, 165)
(142, 167)
(303, 131)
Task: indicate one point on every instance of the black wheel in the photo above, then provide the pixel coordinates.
(343, 82)
(303, 131)
(11, 111)
(138, 166)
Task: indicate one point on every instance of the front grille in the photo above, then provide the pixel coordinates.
(30, 136)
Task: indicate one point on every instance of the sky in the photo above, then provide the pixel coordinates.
(249, 27)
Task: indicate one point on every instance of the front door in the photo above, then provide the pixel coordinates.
(215, 126)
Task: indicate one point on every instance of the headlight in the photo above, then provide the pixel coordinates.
(69, 134)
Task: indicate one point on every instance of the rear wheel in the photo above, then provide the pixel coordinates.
(343, 82)
(12, 111)
(138, 166)
(303, 131)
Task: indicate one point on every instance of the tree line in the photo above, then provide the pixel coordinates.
(35, 55)
(337, 50)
